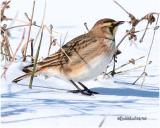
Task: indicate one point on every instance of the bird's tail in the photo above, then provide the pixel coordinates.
(28, 70)
(20, 78)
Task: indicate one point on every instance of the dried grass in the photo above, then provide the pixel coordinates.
(8, 55)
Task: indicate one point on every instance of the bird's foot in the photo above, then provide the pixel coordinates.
(84, 92)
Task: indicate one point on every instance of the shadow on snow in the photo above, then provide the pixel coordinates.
(19, 105)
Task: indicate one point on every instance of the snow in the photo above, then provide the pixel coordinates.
(49, 104)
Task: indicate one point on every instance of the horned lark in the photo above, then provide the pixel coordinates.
(82, 58)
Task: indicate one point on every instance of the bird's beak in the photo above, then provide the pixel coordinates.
(119, 23)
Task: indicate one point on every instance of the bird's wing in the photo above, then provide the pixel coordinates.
(63, 55)
(67, 51)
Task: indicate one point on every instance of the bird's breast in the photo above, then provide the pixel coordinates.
(93, 64)
(93, 68)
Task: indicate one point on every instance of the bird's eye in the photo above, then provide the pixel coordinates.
(111, 29)
(112, 25)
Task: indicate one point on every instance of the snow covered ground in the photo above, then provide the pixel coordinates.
(49, 104)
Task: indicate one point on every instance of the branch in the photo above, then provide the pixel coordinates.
(29, 33)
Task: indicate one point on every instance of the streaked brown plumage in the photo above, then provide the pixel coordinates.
(80, 59)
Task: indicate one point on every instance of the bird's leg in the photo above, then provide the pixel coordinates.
(79, 90)
(87, 90)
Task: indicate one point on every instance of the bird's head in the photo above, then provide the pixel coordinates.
(106, 28)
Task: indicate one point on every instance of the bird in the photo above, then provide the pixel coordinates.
(82, 58)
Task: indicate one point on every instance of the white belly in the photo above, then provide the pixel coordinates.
(94, 68)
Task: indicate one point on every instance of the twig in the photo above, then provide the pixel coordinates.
(123, 65)
(23, 36)
(32, 60)
(5, 45)
(64, 39)
(114, 65)
(114, 62)
(138, 78)
(27, 16)
(42, 23)
(121, 7)
(5, 5)
(141, 40)
(23, 25)
(14, 55)
(29, 32)
(102, 122)
(17, 26)
(51, 39)
(149, 52)
(85, 24)
(127, 70)
(133, 32)
(36, 59)
(134, 21)
(120, 42)
(131, 61)
(39, 46)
